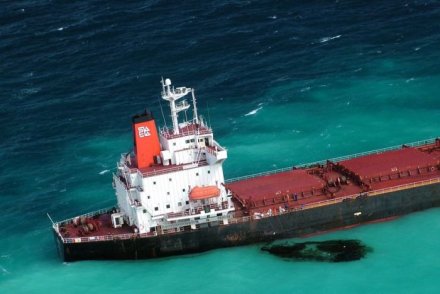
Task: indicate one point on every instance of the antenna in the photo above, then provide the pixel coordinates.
(196, 117)
(163, 85)
(163, 115)
(186, 116)
(209, 115)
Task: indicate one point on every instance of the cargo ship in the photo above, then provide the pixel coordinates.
(172, 197)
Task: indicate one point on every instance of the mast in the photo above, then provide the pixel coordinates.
(172, 95)
(196, 117)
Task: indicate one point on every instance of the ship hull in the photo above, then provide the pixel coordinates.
(350, 212)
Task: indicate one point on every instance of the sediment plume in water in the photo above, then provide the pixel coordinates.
(327, 251)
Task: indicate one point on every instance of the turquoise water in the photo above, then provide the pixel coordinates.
(280, 83)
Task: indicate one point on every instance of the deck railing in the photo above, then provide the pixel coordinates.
(196, 209)
(169, 135)
(336, 159)
(88, 215)
(173, 169)
(244, 219)
(404, 186)
(369, 194)
(107, 237)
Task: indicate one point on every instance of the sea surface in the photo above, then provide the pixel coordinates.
(280, 82)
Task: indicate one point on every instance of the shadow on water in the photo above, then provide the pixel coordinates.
(328, 251)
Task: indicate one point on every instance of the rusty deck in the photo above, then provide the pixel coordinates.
(298, 187)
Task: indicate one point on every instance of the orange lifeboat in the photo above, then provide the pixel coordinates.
(199, 193)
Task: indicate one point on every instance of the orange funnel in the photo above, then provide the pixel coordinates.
(146, 140)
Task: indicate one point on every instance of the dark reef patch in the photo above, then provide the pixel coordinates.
(329, 251)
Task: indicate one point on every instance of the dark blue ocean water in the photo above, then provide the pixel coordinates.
(281, 83)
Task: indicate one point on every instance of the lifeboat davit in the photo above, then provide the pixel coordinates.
(199, 193)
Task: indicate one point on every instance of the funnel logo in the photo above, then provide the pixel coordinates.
(143, 132)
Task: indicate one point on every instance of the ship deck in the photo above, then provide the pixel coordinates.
(297, 188)
(277, 192)
(101, 226)
(263, 194)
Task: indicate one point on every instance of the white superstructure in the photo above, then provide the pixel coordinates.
(182, 186)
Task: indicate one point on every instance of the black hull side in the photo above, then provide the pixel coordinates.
(287, 225)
